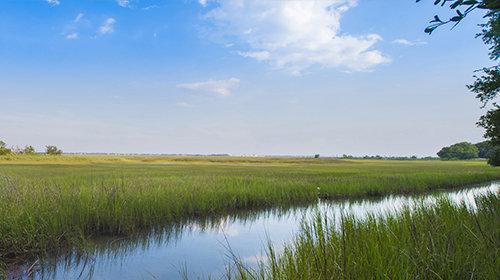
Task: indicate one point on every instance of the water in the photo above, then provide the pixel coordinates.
(201, 249)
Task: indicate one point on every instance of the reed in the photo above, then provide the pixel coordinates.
(48, 205)
(443, 241)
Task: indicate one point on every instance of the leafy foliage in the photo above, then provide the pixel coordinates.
(52, 150)
(494, 158)
(3, 149)
(29, 150)
(491, 122)
(467, 6)
(485, 149)
(462, 150)
(487, 85)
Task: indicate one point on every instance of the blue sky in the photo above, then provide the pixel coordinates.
(242, 77)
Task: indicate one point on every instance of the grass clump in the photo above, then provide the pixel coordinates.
(51, 204)
(442, 241)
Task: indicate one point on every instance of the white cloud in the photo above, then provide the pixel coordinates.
(203, 2)
(183, 105)
(405, 42)
(147, 8)
(78, 18)
(53, 2)
(108, 26)
(220, 87)
(72, 36)
(295, 35)
(123, 3)
(71, 29)
(261, 56)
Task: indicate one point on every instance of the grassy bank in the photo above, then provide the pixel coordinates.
(47, 203)
(446, 241)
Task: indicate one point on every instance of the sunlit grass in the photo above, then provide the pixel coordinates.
(444, 241)
(48, 203)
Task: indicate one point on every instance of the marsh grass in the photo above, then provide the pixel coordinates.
(441, 241)
(55, 203)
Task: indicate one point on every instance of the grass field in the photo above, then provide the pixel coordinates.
(444, 241)
(48, 203)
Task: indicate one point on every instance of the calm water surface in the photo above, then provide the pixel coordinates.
(200, 248)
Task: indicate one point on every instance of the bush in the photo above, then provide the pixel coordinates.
(29, 150)
(52, 150)
(3, 149)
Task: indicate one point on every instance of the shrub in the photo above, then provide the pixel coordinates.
(29, 150)
(3, 149)
(52, 150)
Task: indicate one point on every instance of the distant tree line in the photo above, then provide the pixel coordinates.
(27, 150)
(466, 150)
(385, 157)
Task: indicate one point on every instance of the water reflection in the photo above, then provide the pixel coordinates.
(198, 248)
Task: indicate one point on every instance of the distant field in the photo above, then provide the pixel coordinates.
(76, 159)
(47, 203)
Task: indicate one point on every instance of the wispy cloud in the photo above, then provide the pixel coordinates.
(123, 3)
(219, 87)
(108, 26)
(294, 35)
(406, 42)
(53, 2)
(72, 36)
(147, 8)
(262, 55)
(71, 30)
(184, 105)
(78, 18)
(203, 2)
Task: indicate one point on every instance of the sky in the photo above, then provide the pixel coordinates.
(242, 77)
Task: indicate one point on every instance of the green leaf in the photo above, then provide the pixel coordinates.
(430, 29)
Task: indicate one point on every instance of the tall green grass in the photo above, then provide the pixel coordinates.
(443, 241)
(51, 206)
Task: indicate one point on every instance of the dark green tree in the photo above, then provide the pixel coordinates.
(491, 122)
(52, 150)
(462, 150)
(487, 83)
(494, 158)
(485, 149)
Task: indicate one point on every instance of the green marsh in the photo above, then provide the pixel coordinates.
(51, 203)
(441, 241)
